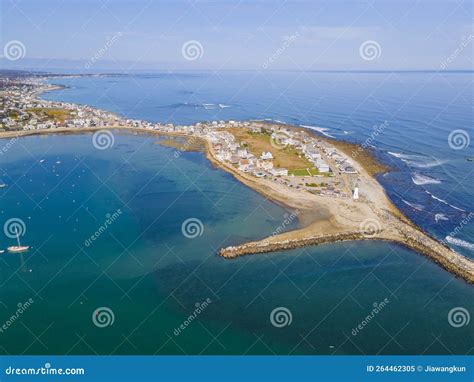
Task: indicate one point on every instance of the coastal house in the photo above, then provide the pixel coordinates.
(244, 165)
(242, 153)
(279, 171)
(322, 166)
(266, 155)
(348, 169)
(264, 164)
(234, 159)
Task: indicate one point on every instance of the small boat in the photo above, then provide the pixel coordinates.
(470, 159)
(18, 248)
(3, 185)
(1, 251)
(41, 161)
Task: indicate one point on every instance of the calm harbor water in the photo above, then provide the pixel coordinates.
(151, 276)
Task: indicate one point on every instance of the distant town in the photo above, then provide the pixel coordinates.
(292, 157)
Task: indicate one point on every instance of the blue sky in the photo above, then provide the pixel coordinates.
(295, 35)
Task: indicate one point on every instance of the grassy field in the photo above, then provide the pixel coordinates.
(286, 157)
(303, 172)
(58, 115)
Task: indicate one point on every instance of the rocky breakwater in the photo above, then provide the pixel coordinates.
(266, 245)
(407, 236)
(439, 252)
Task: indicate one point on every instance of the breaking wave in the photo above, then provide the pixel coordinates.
(459, 242)
(419, 179)
(418, 161)
(322, 130)
(206, 106)
(415, 206)
(444, 202)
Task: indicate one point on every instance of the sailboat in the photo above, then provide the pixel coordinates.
(18, 248)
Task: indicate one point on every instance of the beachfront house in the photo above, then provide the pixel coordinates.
(242, 153)
(322, 166)
(279, 171)
(266, 155)
(264, 164)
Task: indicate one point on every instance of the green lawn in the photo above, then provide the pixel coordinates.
(303, 172)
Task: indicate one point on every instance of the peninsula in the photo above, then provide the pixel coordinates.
(328, 184)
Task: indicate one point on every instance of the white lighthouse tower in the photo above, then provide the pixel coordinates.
(355, 194)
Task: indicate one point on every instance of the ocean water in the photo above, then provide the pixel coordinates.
(144, 270)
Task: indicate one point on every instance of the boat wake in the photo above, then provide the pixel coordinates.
(459, 242)
(420, 179)
(418, 161)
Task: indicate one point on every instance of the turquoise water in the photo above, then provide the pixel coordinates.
(151, 276)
